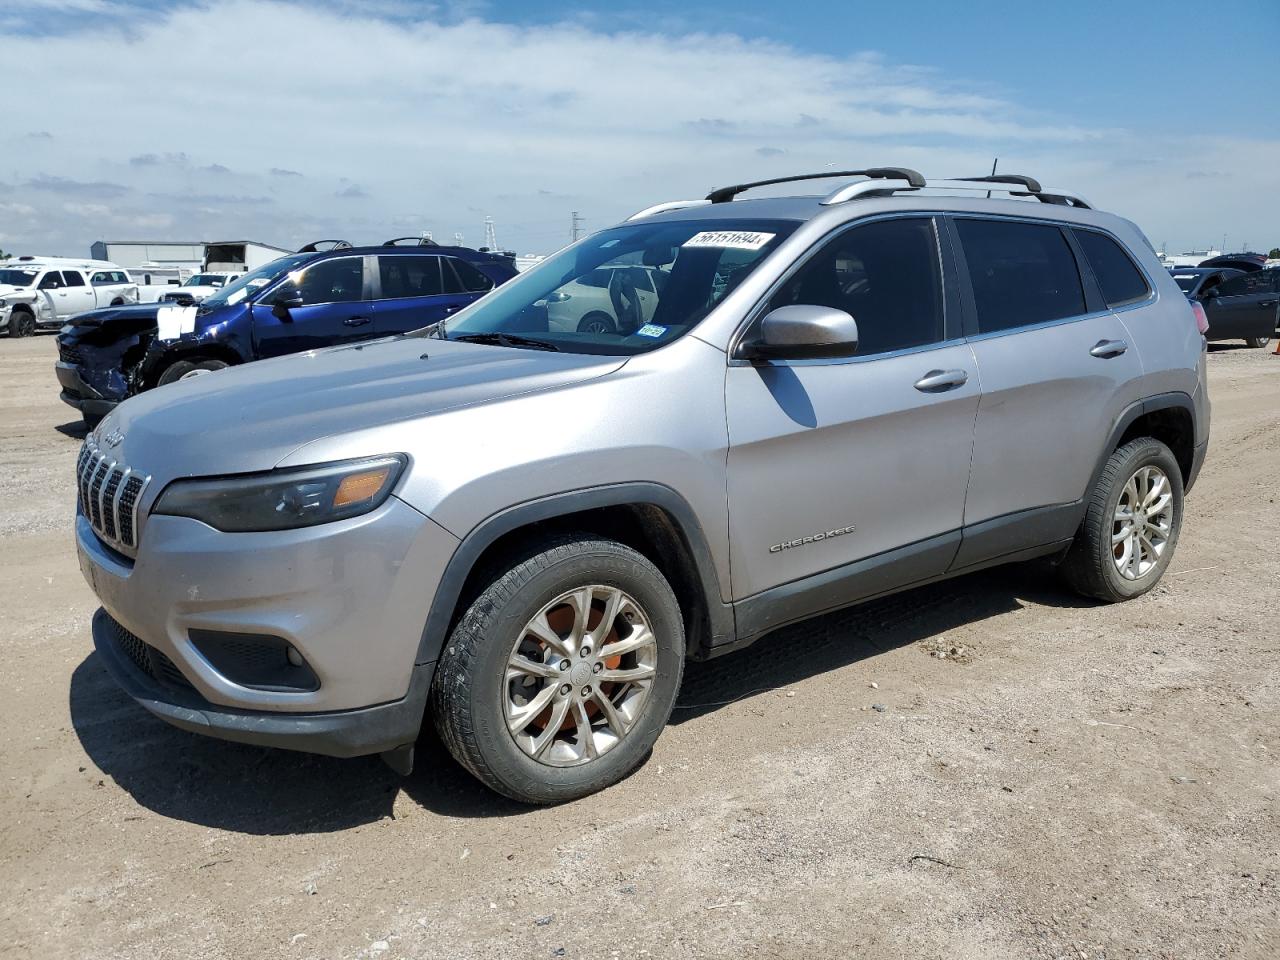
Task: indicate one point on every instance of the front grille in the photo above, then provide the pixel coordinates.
(109, 494)
(69, 354)
(147, 658)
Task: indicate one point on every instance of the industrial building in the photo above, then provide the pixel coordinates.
(197, 255)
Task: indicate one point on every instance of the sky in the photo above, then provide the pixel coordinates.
(287, 122)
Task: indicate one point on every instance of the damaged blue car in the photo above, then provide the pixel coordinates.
(326, 294)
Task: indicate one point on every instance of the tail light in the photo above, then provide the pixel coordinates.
(1202, 319)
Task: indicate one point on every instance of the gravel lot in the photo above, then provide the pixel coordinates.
(990, 767)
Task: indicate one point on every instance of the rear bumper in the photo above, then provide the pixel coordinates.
(346, 733)
(78, 394)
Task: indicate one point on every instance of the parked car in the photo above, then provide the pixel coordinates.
(1247, 262)
(607, 300)
(311, 299)
(197, 287)
(1237, 305)
(522, 532)
(38, 292)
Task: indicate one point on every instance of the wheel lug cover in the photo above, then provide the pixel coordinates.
(597, 667)
(565, 689)
(564, 664)
(586, 691)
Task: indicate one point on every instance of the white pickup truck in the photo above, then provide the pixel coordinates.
(40, 292)
(197, 287)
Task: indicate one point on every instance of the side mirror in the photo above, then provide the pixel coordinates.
(803, 332)
(286, 300)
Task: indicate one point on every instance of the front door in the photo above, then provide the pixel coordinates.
(837, 461)
(1056, 375)
(1244, 306)
(76, 294)
(336, 308)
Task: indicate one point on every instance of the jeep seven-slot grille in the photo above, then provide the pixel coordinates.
(109, 494)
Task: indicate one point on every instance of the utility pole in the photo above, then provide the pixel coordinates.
(575, 227)
(490, 234)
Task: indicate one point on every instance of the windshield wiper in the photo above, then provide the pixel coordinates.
(506, 340)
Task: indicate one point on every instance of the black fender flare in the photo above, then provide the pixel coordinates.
(1160, 401)
(449, 590)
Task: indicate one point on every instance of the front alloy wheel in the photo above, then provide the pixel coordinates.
(1143, 523)
(579, 676)
(560, 675)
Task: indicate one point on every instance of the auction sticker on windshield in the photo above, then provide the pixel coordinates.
(729, 239)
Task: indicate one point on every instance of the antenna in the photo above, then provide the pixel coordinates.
(993, 173)
(575, 226)
(490, 234)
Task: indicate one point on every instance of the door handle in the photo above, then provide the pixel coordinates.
(935, 381)
(1267, 303)
(452, 308)
(355, 321)
(1106, 349)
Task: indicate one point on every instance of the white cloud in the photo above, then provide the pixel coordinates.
(405, 124)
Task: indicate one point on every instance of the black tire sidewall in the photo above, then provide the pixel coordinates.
(610, 326)
(1134, 457)
(595, 562)
(21, 324)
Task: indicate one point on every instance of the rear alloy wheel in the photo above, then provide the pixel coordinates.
(186, 369)
(22, 323)
(1130, 525)
(597, 323)
(559, 677)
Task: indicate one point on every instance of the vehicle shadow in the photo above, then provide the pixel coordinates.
(259, 791)
(75, 429)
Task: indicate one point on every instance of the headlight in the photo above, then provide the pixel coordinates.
(285, 499)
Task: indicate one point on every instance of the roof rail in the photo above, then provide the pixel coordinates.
(664, 207)
(1011, 184)
(725, 194)
(323, 246)
(417, 242)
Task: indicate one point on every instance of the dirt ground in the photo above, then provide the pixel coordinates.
(986, 768)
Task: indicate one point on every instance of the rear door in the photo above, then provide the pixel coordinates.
(337, 307)
(1245, 306)
(1057, 369)
(409, 293)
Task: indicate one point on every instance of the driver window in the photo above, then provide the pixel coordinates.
(885, 275)
(332, 281)
(52, 281)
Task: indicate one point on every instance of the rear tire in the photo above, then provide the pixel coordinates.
(1130, 529)
(22, 323)
(185, 369)
(1257, 341)
(597, 322)
(527, 715)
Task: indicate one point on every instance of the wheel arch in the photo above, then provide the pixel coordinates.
(192, 352)
(1167, 417)
(648, 517)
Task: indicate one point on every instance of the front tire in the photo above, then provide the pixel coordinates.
(1257, 341)
(22, 323)
(561, 674)
(1131, 524)
(186, 369)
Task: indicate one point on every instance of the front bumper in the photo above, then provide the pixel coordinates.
(79, 394)
(348, 733)
(351, 597)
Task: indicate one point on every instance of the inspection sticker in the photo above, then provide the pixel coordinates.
(651, 330)
(732, 239)
(173, 322)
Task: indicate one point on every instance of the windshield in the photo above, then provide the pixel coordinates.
(206, 280)
(1187, 281)
(18, 278)
(625, 290)
(233, 293)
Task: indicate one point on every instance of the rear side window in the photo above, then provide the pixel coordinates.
(1022, 273)
(409, 277)
(884, 274)
(469, 279)
(1120, 279)
(73, 278)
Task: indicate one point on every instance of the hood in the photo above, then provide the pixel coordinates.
(108, 315)
(9, 290)
(249, 418)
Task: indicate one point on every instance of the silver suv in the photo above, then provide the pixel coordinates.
(523, 529)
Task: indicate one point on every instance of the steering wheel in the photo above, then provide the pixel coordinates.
(626, 300)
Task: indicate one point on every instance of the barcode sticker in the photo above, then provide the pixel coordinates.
(729, 239)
